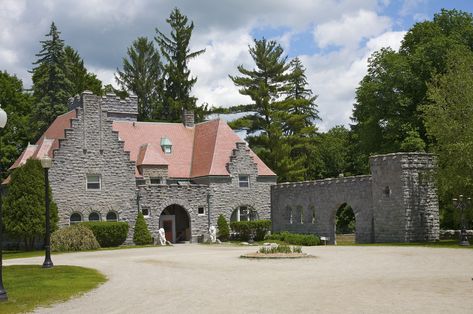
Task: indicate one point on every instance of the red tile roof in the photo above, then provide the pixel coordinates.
(199, 151)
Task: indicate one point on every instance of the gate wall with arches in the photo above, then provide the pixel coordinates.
(397, 203)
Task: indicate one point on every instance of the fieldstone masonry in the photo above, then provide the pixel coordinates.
(396, 203)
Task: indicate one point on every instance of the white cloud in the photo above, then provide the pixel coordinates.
(350, 29)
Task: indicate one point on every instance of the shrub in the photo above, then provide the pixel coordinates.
(256, 229)
(108, 233)
(73, 238)
(296, 239)
(141, 235)
(223, 229)
(280, 249)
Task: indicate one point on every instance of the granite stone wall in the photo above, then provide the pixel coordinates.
(397, 203)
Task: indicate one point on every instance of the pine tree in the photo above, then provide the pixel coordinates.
(142, 74)
(51, 86)
(267, 85)
(141, 235)
(24, 211)
(78, 75)
(178, 81)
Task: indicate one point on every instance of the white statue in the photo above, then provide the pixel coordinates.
(213, 234)
(161, 236)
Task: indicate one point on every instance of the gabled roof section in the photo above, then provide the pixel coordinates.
(134, 134)
(150, 155)
(49, 141)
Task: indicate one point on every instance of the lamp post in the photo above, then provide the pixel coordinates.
(46, 162)
(3, 292)
(461, 204)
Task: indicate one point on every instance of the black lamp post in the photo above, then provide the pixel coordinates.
(46, 162)
(3, 292)
(461, 204)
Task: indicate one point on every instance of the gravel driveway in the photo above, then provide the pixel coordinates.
(212, 279)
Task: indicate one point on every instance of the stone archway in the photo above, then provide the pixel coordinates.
(176, 223)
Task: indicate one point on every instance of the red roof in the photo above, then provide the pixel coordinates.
(203, 150)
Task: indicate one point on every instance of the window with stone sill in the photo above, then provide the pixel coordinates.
(94, 216)
(244, 181)
(145, 212)
(201, 210)
(244, 213)
(112, 216)
(94, 182)
(155, 180)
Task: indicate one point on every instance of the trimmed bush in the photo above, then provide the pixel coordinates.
(108, 233)
(141, 235)
(73, 238)
(246, 230)
(223, 229)
(295, 238)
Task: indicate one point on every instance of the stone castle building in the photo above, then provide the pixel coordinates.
(182, 176)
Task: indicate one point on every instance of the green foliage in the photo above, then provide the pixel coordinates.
(24, 204)
(256, 229)
(142, 74)
(223, 229)
(17, 132)
(295, 238)
(108, 233)
(31, 286)
(178, 81)
(285, 249)
(141, 235)
(345, 219)
(449, 120)
(280, 125)
(73, 238)
(78, 75)
(51, 85)
(387, 116)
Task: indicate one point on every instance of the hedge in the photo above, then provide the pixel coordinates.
(73, 238)
(223, 230)
(295, 238)
(108, 233)
(256, 229)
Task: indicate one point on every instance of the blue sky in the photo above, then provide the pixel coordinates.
(333, 38)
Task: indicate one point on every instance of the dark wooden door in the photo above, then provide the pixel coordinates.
(167, 225)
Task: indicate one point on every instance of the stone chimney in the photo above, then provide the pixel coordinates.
(188, 118)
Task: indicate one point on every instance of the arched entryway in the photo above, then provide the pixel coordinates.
(176, 223)
(345, 224)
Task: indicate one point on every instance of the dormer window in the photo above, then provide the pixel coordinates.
(166, 145)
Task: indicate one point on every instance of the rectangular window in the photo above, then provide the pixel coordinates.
(145, 212)
(94, 182)
(201, 210)
(155, 180)
(140, 182)
(244, 181)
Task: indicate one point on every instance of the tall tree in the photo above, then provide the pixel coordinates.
(24, 214)
(51, 86)
(78, 75)
(142, 74)
(17, 132)
(387, 117)
(449, 123)
(176, 52)
(267, 85)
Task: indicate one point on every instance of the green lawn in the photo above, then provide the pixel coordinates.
(30, 286)
(346, 240)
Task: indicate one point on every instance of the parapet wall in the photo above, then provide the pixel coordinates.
(397, 203)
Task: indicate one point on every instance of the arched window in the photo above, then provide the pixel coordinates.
(75, 218)
(112, 216)
(244, 213)
(94, 216)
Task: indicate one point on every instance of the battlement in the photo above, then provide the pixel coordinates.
(327, 181)
(115, 107)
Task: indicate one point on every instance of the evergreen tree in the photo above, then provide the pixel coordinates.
(51, 86)
(77, 74)
(17, 132)
(142, 74)
(223, 229)
(141, 235)
(178, 81)
(24, 211)
(270, 111)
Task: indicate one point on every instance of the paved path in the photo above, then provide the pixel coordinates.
(212, 279)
